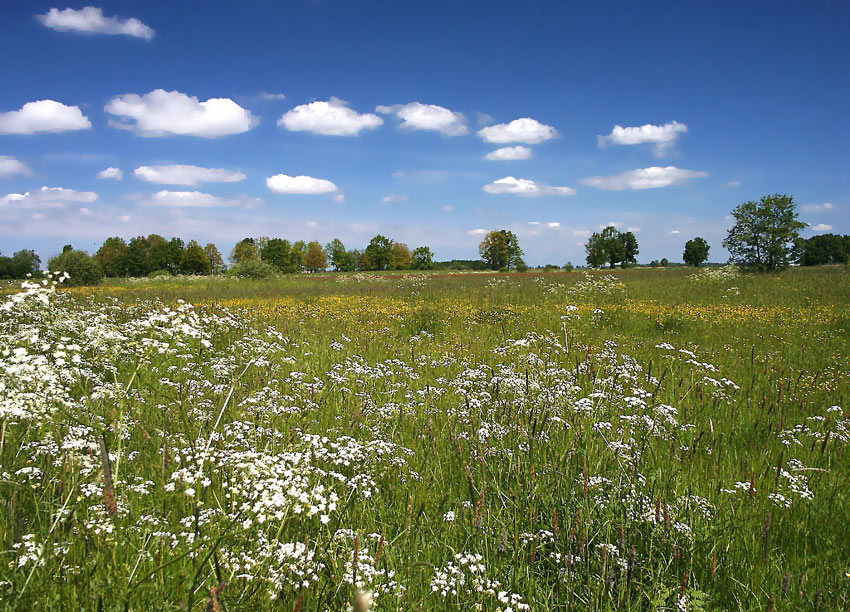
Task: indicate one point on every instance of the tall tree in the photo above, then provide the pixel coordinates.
(244, 251)
(159, 253)
(378, 255)
(500, 249)
(315, 259)
(609, 246)
(136, 257)
(423, 258)
(766, 234)
(194, 259)
(112, 257)
(25, 263)
(630, 247)
(337, 254)
(296, 256)
(401, 258)
(216, 262)
(696, 251)
(175, 254)
(277, 253)
(825, 249)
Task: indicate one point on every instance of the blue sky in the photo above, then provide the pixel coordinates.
(387, 110)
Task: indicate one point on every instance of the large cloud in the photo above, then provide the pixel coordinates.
(43, 116)
(283, 183)
(821, 227)
(331, 118)
(526, 188)
(10, 166)
(643, 178)
(186, 175)
(664, 136)
(48, 197)
(509, 154)
(91, 20)
(161, 112)
(418, 116)
(526, 130)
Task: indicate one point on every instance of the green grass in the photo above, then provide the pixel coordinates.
(591, 473)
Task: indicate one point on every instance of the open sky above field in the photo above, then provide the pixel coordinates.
(426, 122)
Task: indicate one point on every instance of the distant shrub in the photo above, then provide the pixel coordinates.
(159, 274)
(81, 268)
(252, 268)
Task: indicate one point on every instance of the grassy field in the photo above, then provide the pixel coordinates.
(648, 439)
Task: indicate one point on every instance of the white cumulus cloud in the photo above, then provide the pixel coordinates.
(394, 198)
(191, 176)
(477, 232)
(161, 112)
(10, 166)
(48, 197)
(554, 225)
(509, 154)
(582, 233)
(43, 116)
(91, 20)
(111, 173)
(525, 187)
(816, 208)
(643, 178)
(525, 130)
(283, 183)
(821, 227)
(418, 116)
(663, 136)
(331, 118)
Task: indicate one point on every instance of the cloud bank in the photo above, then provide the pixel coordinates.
(91, 20)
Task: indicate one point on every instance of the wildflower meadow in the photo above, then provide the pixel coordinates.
(634, 440)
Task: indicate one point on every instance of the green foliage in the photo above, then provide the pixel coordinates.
(315, 259)
(500, 250)
(278, 252)
(244, 251)
(825, 249)
(766, 234)
(378, 255)
(194, 259)
(340, 258)
(23, 264)
(696, 251)
(112, 257)
(611, 247)
(252, 268)
(423, 258)
(401, 259)
(214, 256)
(82, 269)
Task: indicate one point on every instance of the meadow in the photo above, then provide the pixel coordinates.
(636, 440)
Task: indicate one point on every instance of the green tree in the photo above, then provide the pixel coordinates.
(245, 250)
(277, 252)
(159, 253)
(216, 262)
(81, 268)
(696, 251)
(112, 257)
(296, 256)
(608, 246)
(663, 263)
(339, 257)
(378, 255)
(423, 258)
(25, 262)
(766, 234)
(825, 249)
(194, 259)
(500, 250)
(316, 258)
(175, 255)
(630, 247)
(401, 259)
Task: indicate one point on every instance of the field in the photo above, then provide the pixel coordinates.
(646, 439)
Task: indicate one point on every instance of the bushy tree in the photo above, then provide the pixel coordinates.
(277, 252)
(136, 257)
(423, 258)
(766, 234)
(112, 257)
(315, 259)
(339, 257)
(159, 253)
(401, 259)
(500, 250)
(194, 259)
(611, 247)
(81, 268)
(825, 249)
(696, 251)
(245, 250)
(26, 262)
(378, 255)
